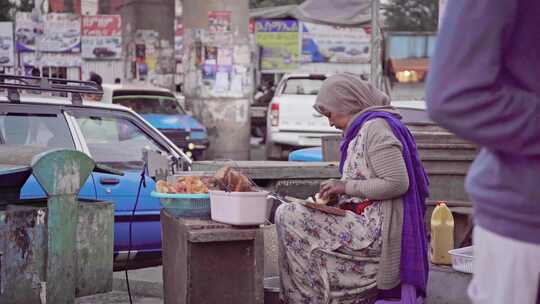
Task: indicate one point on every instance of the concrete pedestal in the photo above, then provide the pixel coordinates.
(205, 262)
(23, 241)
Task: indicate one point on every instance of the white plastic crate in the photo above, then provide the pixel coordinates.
(239, 208)
(462, 259)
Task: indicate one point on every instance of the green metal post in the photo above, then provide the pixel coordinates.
(61, 173)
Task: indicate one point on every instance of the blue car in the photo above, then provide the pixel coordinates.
(112, 135)
(163, 111)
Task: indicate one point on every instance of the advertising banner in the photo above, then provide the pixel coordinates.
(102, 37)
(279, 42)
(6, 44)
(332, 44)
(219, 21)
(58, 33)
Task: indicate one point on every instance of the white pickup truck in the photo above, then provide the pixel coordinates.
(291, 121)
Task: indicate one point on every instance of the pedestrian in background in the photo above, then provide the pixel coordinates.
(484, 85)
(94, 77)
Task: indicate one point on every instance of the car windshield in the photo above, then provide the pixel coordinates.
(40, 130)
(115, 141)
(302, 86)
(151, 104)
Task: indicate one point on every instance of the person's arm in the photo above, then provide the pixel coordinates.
(385, 157)
(469, 92)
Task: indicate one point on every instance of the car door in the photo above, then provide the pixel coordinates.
(118, 141)
(42, 127)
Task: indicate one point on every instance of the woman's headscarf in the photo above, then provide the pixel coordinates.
(348, 94)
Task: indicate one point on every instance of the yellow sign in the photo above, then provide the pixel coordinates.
(279, 41)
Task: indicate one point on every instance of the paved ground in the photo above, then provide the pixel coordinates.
(117, 297)
(146, 282)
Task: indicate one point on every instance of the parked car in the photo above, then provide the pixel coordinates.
(112, 135)
(101, 52)
(412, 112)
(163, 110)
(291, 121)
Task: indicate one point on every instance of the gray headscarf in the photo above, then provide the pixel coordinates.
(348, 94)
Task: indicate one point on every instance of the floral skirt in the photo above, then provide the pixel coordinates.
(328, 259)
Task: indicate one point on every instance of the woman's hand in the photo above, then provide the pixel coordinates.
(331, 188)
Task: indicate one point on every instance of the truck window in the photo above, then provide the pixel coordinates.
(302, 86)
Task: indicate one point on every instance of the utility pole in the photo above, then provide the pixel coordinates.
(218, 73)
(37, 17)
(376, 73)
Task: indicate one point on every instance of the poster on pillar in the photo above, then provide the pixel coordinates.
(58, 33)
(6, 44)
(219, 22)
(279, 43)
(102, 37)
(332, 44)
(178, 39)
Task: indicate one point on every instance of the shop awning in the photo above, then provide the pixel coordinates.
(335, 12)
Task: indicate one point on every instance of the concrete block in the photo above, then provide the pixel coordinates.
(25, 259)
(206, 262)
(95, 243)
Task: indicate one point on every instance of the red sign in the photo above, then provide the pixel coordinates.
(102, 25)
(219, 21)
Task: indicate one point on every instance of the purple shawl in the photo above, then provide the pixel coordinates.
(414, 265)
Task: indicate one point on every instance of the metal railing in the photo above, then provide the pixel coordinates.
(14, 83)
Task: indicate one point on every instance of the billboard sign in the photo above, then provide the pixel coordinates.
(6, 44)
(279, 43)
(58, 33)
(102, 37)
(332, 44)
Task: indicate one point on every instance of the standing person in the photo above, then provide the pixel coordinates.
(380, 243)
(484, 85)
(94, 77)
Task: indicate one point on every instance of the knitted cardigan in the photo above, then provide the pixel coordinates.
(383, 155)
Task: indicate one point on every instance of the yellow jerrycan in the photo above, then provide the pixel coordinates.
(442, 234)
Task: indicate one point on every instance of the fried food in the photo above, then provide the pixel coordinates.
(164, 187)
(185, 185)
(231, 180)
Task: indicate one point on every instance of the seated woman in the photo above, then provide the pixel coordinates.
(380, 244)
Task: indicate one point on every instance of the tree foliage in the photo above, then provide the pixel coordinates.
(270, 3)
(412, 15)
(9, 8)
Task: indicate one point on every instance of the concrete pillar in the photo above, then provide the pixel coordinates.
(150, 24)
(218, 72)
